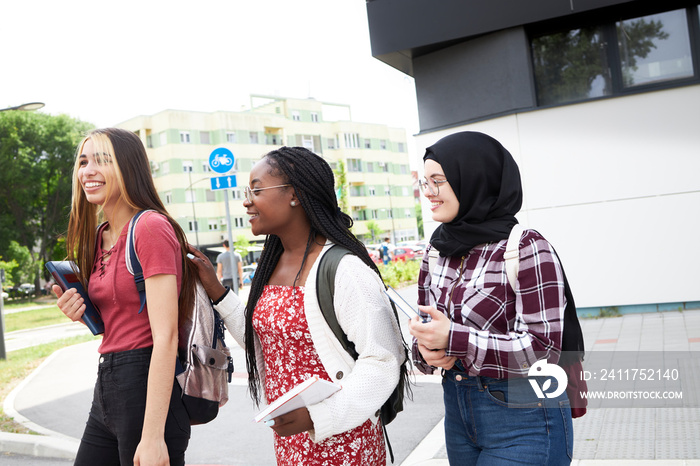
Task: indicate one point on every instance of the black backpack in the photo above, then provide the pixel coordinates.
(325, 289)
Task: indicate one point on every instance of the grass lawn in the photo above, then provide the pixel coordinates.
(18, 365)
(34, 318)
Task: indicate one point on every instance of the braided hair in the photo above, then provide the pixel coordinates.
(313, 181)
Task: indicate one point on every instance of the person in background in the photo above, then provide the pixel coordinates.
(484, 334)
(387, 251)
(292, 200)
(229, 268)
(137, 415)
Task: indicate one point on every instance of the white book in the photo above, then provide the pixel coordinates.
(309, 392)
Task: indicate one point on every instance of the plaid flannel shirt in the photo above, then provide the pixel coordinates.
(496, 331)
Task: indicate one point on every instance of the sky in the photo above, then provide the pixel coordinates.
(108, 61)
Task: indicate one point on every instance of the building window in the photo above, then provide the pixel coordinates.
(211, 195)
(387, 190)
(368, 143)
(231, 137)
(370, 167)
(164, 167)
(190, 196)
(375, 214)
(352, 140)
(308, 142)
(149, 141)
(192, 226)
(354, 165)
(253, 137)
(205, 167)
(382, 144)
(330, 143)
(654, 48)
(238, 222)
(204, 137)
(236, 194)
(162, 138)
(296, 116)
(403, 169)
(407, 213)
(213, 225)
(402, 147)
(610, 59)
(314, 117)
(185, 137)
(187, 166)
(371, 191)
(168, 198)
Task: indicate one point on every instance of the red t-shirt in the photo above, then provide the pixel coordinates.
(112, 288)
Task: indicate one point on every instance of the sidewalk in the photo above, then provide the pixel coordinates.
(604, 436)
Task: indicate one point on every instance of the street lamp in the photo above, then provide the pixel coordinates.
(28, 107)
(194, 215)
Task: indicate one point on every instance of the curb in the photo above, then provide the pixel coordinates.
(39, 445)
(48, 443)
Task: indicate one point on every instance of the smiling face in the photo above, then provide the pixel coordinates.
(271, 210)
(96, 175)
(444, 205)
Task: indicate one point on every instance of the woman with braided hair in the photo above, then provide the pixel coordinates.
(291, 199)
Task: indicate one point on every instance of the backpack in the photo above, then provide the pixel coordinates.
(204, 365)
(325, 289)
(572, 337)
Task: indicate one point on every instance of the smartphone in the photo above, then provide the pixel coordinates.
(64, 273)
(403, 305)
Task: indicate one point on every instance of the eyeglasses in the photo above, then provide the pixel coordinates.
(250, 192)
(432, 185)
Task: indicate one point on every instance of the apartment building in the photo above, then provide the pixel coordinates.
(379, 186)
(598, 101)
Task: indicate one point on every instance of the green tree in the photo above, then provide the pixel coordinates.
(374, 230)
(242, 245)
(37, 154)
(419, 220)
(24, 266)
(341, 182)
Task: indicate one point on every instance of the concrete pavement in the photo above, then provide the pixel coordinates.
(55, 399)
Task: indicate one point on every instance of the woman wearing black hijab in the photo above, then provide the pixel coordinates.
(484, 333)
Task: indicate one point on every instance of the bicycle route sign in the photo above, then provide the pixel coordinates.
(221, 160)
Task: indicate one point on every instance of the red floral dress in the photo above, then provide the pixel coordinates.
(290, 358)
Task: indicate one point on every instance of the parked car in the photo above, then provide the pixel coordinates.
(404, 254)
(248, 273)
(26, 289)
(5, 295)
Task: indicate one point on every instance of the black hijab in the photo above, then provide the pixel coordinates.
(486, 181)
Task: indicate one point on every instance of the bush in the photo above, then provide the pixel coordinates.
(398, 274)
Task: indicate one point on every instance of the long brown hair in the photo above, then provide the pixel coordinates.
(132, 176)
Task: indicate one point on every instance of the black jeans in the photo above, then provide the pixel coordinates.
(113, 430)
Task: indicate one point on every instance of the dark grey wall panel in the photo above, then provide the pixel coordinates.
(406, 25)
(481, 77)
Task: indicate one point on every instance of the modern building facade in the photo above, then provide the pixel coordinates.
(598, 101)
(379, 186)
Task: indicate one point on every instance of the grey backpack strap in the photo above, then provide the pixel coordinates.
(325, 289)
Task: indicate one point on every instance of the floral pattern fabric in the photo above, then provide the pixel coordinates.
(290, 358)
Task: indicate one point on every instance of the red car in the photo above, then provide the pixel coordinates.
(404, 254)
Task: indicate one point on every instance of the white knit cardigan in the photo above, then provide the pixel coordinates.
(365, 315)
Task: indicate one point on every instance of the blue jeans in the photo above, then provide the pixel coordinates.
(113, 429)
(502, 422)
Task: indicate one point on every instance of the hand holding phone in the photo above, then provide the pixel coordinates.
(403, 305)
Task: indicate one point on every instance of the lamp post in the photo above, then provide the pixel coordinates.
(28, 107)
(194, 215)
(391, 213)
